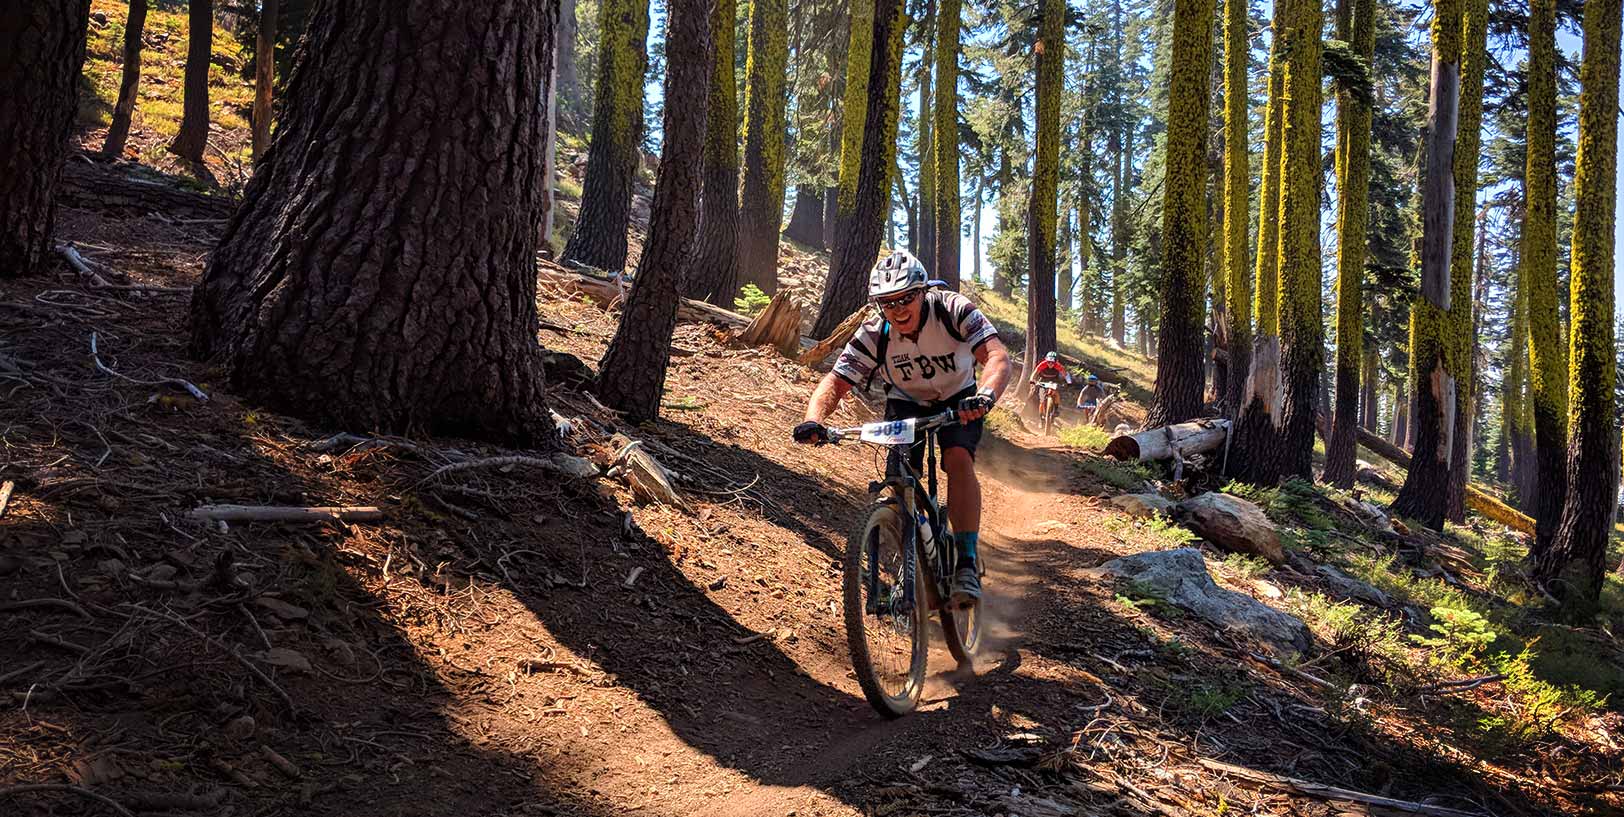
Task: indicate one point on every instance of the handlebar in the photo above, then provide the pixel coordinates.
(925, 424)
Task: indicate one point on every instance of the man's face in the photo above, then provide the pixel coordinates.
(904, 310)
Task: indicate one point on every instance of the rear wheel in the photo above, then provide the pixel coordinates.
(885, 623)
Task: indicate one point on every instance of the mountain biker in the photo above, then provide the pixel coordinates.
(1091, 392)
(924, 346)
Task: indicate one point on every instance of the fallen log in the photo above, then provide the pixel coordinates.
(1178, 440)
(1476, 498)
(778, 326)
(285, 513)
(1333, 793)
(607, 292)
(837, 339)
(98, 186)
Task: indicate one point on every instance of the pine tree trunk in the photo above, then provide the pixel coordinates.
(118, 132)
(925, 146)
(549, 161)
(1401, 416)
(631, 376)
(806, 218)
(1265, 454)
(1369, 402)
(1426, 487)
(712, 275)
(1266, 299)
(1066, 282)
(599, 237)
(1573, 567)
(975, 229)
(568, 83)
(761, 198)
(946, 209)
(1042, 211)
(848, 280)
(1179, 365)
(1474, 33)
(853, 118)
(339, 293)
(41, 50)
(193, 137)
(1237, 182)
(1358, 26)
(1548, 367)
(264, 77)
(1121, 147)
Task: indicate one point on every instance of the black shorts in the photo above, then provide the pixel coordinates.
(957, 435)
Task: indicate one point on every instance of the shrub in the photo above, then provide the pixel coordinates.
(1085, 436)
(751, 300)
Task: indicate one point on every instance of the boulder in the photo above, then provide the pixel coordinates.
(1349, 587)
(1143, 505)
(1180, 577)
(1233, 524)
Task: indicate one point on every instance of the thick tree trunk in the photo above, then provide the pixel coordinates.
(1573, 567)
(925, 144)
(806, 219)
(831, 204)
(1426, 487)
(599, 237)
(853, 119)
(119, 130)
(1066, 282)
(193, 137)
(712, 275)
(1462, 332)
(945, 210)
(761, 196)
(975, 229)
(631, 376)
(1179, 365)
(1237, 186)
(1369, 401)
(568, 83)
(42, 46)
(1043, 204)
(339, 293)
(848, 279)
(264, 76)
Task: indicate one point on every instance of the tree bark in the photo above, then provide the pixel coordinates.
(1358, 26)
(946, 210)
(853, 118)
(599, 237)
(264, 76)
(1573, 567)
(118, 132)
(1043, 205)
(1180, 368)
(193, 136)
(568, 90)
(1237, 182)
(1163, 442)
(1066, 282)
(761, 198)
(631, 376)
(339, 292)
(806, 218)
(42, 47)
(1426, 487)
(925, 147)
(1474, 35)
(975, 230)
(712, 276)
(848, 280)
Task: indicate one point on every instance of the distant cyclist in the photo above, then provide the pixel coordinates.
(924, 347)
(1089, 395)
(1050, 370)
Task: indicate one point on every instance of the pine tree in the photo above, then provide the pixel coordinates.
(193, 136)
(433, 328)
(712, 274)
(1573, 566)
(632, 374)
(1358, 26)
(1516, 408)
(599, 237)
(761, 196)
(1237, 181)
(1043, 203)
(1548, 367)
(924, 134)
(945, 210)
(1432, 340)
(1179, 368)
(1272, 445)
(118, 130)
(853, 117)
(1463, 337)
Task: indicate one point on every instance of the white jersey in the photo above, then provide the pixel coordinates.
(929, 367)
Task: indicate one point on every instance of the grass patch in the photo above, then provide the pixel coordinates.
(1154, 533)
(1085, 436)
(1247, 567)
(1123, 476)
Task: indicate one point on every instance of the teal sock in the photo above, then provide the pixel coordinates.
(966, 542)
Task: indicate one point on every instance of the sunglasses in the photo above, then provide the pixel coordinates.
(895, 304)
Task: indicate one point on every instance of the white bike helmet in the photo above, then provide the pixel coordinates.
(896, 273)
(1052, 357)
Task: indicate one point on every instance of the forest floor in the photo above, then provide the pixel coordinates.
(505, 641)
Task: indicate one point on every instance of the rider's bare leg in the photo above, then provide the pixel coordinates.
(963, 490)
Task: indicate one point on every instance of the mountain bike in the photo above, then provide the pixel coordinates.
(898, 569)
(1048, 405)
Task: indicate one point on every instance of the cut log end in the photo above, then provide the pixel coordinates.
(1122, 448)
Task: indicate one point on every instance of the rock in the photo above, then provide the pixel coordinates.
(1143, 505)
(290, 660)
(1180, 577)
(1352, 588)
(161, 573)
(282, 609)
(1233, 524)
(240, 728)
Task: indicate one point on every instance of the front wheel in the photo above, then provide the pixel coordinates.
(885, 612)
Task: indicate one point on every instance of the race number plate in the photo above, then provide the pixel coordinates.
(889, 432)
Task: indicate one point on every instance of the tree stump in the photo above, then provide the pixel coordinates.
(779, 325)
